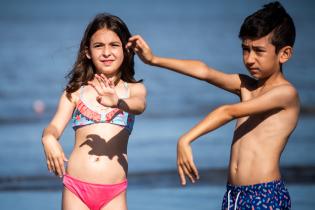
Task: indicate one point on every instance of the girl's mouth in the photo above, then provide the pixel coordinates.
(107, 62)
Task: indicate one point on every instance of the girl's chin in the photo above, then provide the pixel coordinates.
(108, 72)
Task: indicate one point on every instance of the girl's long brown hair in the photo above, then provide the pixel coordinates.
(83, 69)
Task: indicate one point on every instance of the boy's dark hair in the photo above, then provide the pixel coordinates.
(272, 18)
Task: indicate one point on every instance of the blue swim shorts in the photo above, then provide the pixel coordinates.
(271, 195)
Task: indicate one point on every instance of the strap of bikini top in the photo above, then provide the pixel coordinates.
(81, 91)
(127, 90)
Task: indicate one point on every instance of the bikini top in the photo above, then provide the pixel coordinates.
(84, 114)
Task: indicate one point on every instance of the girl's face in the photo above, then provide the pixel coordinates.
(106, 52)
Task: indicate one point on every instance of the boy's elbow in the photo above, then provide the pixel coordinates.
(228, 112)
(203, 71)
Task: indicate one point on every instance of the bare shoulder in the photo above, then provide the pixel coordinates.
(71, 97)
(285, 93)
(137, 89)
(287, 90)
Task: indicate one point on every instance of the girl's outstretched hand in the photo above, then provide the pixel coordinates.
(139, 46)
(55, 156)
(105, 88)
(185, 163)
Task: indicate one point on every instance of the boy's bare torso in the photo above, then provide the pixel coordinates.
(260, 139)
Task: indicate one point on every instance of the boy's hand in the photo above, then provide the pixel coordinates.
(139, 46)
(107, 95)
(55, 156)
(185, 163)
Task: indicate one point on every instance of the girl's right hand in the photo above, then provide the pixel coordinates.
(139, 46)
(55, 156)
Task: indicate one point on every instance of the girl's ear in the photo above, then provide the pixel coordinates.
(87, 53)
(285, 54)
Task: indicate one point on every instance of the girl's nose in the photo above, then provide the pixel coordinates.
(106, 51)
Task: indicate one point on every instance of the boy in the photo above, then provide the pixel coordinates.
(266, 115)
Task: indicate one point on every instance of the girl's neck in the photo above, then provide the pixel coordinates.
(114, 78)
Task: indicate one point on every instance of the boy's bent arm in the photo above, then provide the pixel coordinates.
(280, 97)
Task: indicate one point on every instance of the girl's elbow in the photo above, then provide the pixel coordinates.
(140, 110)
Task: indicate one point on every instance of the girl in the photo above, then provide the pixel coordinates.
(102, 97)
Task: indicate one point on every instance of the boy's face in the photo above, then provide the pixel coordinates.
(260, 58)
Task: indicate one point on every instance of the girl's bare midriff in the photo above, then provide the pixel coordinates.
(99, 154)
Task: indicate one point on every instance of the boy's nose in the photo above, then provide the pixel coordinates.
(250, 58)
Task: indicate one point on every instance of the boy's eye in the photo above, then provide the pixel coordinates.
(245, 50)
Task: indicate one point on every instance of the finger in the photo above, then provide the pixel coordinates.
(140, 44)
(129, 44)
(53, 167)
(181, 175)
(64, 157)
(195, 170)
(132, 41)
(187, 173)
(49, 166)
(106, 80)
(96, 88)
(61, 165)
(134, 38)
(187, 165)
(111, 83)
(58, 167)
(101, 82)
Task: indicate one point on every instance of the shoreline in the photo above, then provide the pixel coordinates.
(302, 175)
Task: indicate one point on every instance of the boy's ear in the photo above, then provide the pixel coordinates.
(285, 54)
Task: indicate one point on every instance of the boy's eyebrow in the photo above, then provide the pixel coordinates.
(254, 47)
(245, 46)
(259, 48)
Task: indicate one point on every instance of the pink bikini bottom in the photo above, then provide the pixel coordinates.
(95, 196)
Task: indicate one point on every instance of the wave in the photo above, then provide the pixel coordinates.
(152, 179)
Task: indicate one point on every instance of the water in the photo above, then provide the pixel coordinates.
(39, 41)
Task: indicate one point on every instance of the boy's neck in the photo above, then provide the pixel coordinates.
(274, 79)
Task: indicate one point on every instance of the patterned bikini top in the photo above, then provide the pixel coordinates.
(84, 114)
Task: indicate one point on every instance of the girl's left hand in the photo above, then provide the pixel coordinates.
(107, 95)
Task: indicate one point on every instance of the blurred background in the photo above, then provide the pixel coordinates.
(39, 40)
